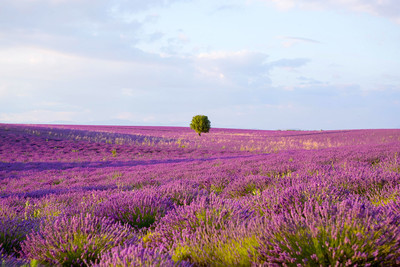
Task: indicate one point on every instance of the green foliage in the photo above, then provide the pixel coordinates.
(200, 124)
(212, 247)
(217, 189)
(44, 209)
(34, 263)
(139, 217)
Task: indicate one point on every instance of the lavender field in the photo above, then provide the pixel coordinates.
(164, 196)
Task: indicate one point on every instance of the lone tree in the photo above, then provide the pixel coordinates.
(200, 124)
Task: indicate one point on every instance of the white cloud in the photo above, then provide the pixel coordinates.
(239, 68)
(238, 55)
(384, 8)
(39, 116)
(290, 64)
(283, 4)
(38, 64)
(134, 92)
(100, 29)
(289, 41)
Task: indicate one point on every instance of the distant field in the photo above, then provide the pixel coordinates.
(164, 196)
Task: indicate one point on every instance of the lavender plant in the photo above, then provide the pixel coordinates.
(76, 240)
(138, 209)
(348, 233)
(284, 195)
(234, 245)
(10, 260)
(204, 213)
(12, 207)
(13, 232)
(182, 192)
(248, 185)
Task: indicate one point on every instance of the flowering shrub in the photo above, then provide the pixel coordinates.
(248, 185)
(181, 192)
(285, 195)
(202, 216)
(10, 260)
(234, 245)
(351, 232)
(75, 240)
(138, 209)
(13, 232)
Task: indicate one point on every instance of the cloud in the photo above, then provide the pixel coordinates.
(39, 116)
(383, 8)
(49, 84)
(326, 106)
(155, 36)
(175, 45)
(242, 68)
(309, 81)
(227, 7)
(101, 29)
(289, 63)
(291, 41)
(236, 68)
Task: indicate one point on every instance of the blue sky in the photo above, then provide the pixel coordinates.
(256, 64)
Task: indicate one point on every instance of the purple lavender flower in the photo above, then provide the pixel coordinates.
(182, 192)
(137, 255)
(183, 222)
(138, 209)
(248, 185)
(14, 231)
(351, 231)
(235, 244)
(75, 240)
(10, 259)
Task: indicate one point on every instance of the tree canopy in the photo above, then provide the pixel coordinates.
(200, 124)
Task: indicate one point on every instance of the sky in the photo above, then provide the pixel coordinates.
(250, 64)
